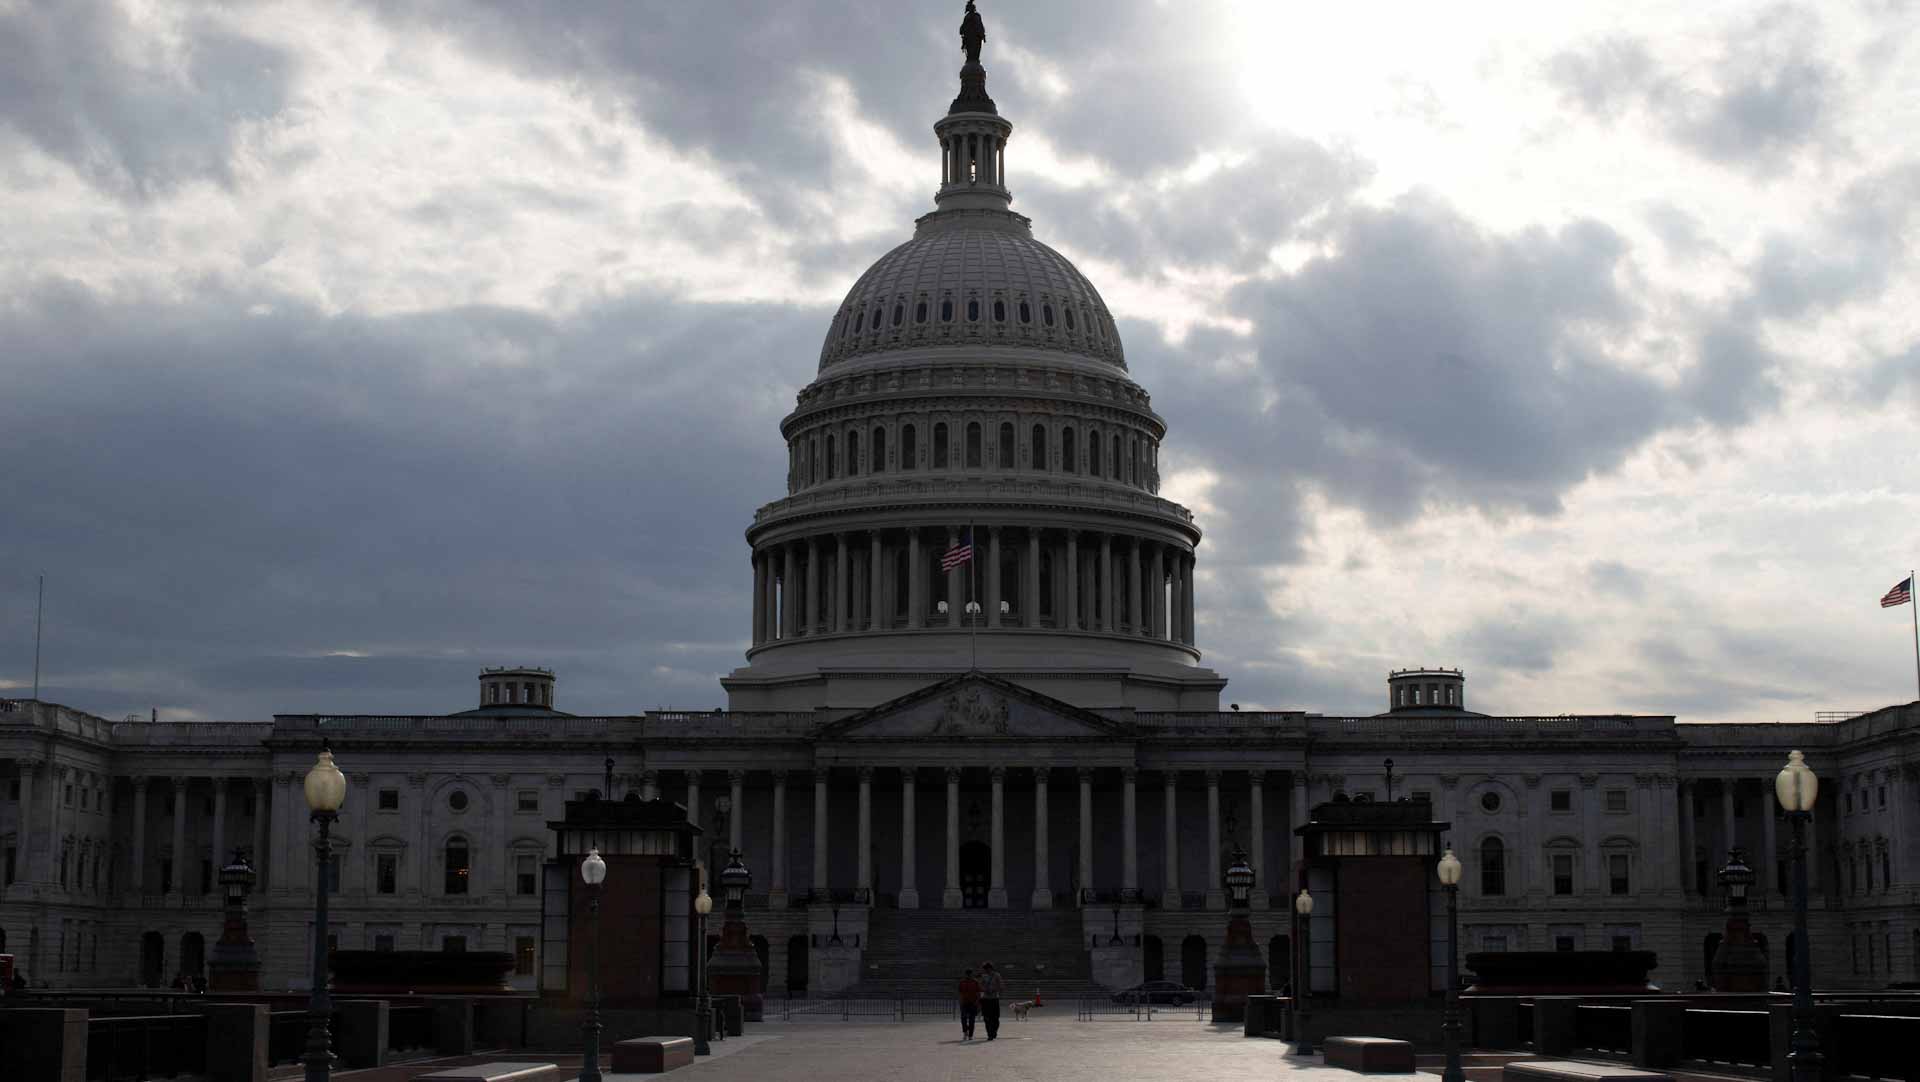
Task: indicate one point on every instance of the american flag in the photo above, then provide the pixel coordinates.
(1901, 594)
(958, 554)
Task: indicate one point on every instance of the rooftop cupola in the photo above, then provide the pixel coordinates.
(1426, 689)
(517, 687)
(973, 136)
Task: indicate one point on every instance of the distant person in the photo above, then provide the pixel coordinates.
(991, 985)
(969, 1004)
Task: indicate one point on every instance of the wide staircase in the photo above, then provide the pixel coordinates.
(923, 951)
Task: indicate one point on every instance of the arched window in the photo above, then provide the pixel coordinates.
(459, 867)
(878, 312)
(999, 310)
(813, 459)
(1066, 449)
(833, 460)
(920, 312)
(973, 309)
(853, 453)
(860, 321)
(940, 446)
(899, 313)
(1026, 312)
(1068, 312)
(1039, 448)
(1006, 446)
(1493, 868)
(1093, 453)
(1046, 314)
(1113, 460)
(973, 445)
(946, 310)
(909, 447)
(879, 451)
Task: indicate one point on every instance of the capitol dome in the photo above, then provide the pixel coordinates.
(973, 478)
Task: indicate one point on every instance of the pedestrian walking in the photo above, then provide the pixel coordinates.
(991, 985)
(969, 1004)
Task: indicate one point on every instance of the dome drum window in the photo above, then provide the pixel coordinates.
(946, 310)
(899, 313)
(973, 309)
(1026, 312)
(1068, 312)
(920, 312)
(1046, 314)
(999, 310)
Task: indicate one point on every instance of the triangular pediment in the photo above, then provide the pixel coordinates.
(974, 706)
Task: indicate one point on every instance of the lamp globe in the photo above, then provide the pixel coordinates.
(1449, 868)
(326, 786)
(1796, 786)
(594, 868)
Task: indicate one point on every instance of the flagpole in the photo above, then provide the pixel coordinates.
(973, 596)
(1915, 606)
(39, 610)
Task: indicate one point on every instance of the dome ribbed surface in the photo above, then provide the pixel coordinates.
(966, 258)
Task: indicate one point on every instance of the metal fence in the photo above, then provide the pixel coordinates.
(1133, 1007)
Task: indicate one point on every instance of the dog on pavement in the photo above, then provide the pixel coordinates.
(1020, 1009)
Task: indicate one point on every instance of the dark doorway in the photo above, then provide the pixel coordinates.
(976, 870)
(1155, 958)
(1279, 962)
(193, 953)
(1711, 945)
(153, 959)
(1193, 962)
(761, 951)
(797, 963)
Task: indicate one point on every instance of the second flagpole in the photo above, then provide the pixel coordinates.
(1914, 604)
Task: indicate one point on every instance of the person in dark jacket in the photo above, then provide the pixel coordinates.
(991, 985)
(969, 1004)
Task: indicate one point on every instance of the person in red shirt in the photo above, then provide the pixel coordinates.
(969, 1004)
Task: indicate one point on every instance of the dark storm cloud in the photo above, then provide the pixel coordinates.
(222, 497)
(132, 115)
(1760, 97)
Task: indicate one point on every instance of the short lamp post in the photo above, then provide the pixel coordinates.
(326, 790)
(1797, 787)
(593, 872)
(703, 1006)
(1449, 872)
(1303, 1040)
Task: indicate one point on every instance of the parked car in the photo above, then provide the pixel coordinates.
(1171, 992)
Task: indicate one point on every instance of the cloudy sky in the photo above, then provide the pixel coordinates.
(347, 348)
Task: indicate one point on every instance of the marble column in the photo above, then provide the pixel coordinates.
(1687, 842)
(876, 583)
(1296, 818)
(1157, 592)
(693, 800)
(649, 785)
(950, 897)
(777, 889)
(842, 585)
(1590, 831)
(178, 886)
(1532, 879)
(1178, 604)
(1130, 835)
(55, 838)
(909, 870)
(1769, 856)
(821, 888)
(1136, 617)
(759, 598)
(1170, 891)
(1042, 869)
(219, 841)
(956, 587)
(1187, 619)
(137, 882)
(1216, 895)
(813, 587)
(1106, 584)
(997, 886)
(1030, 598)
(993, 576)
(1086, 828)
(1728, 837)
(916, 581)
(790, 593)
(864, 858)
(258, 855)
(1072, 616)
(1257, 859)
(770, 626)
(737, 818)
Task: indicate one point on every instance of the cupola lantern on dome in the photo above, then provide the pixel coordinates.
(973, 137)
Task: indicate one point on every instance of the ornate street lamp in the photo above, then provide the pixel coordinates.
(703, 1006)
(593, 871)
(1797, 787)
(1239, 880)
(1449, 871)
(735, 881)
(326, 790)
(1303, 1041)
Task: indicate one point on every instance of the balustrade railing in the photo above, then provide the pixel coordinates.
(1721, 1036)
(1875, 1046)
(139, 1047)
(1605, 1028)
(409, 1028)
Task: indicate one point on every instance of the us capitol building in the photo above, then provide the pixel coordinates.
(915, 746)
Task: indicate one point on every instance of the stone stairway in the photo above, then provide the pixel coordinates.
(917, 949)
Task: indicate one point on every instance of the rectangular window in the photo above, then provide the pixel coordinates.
(1617, 800)
(12, 858)
(529, 800)
(1881, 797)
(69, 796)
(383, 943)
(1562, 874)
(333, 942)
(1422, 796)
(1622, 943)
(454, 944)
(457, 866)
(524, 877)
(523, 956)
(389, 800)
(83, 800)
(1560, 800)
(1617, 873)
(386, 873)
(1495, 944)
(1563, 942)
